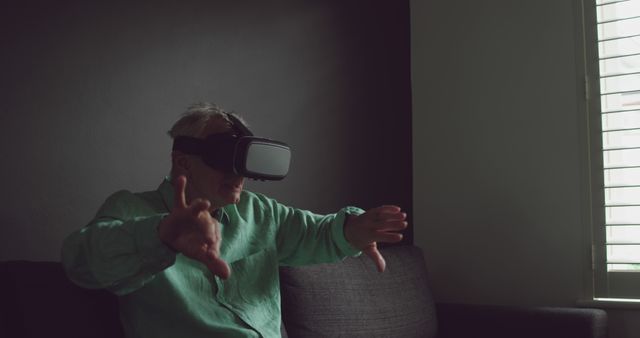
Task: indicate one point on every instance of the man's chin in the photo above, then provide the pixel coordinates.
(234, 199)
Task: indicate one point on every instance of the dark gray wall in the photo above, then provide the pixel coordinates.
(88, 90)
(501, 215)
(500, 199)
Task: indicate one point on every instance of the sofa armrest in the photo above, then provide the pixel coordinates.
(463, 320)
(37, 300)
(352, 299)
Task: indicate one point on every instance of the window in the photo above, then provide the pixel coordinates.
(612, 45)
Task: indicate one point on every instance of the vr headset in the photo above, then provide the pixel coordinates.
(239, 152)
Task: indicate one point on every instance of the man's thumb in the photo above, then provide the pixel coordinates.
(376, 256)
(219, 268)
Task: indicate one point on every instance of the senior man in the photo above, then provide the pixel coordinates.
(199, 256)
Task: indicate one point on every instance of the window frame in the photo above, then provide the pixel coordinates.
(602, 284)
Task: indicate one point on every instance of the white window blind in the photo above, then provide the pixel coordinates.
(618, 46)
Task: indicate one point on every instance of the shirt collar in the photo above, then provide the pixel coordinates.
(166, 191)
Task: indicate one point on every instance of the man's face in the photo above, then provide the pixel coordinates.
(218, 187)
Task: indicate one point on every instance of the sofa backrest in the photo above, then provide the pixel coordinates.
(39, 301)
(352, 299)
(348, 299)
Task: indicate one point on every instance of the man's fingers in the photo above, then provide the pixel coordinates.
(392, 216)
(179, 187)
(385, 209)
(374, 254)
(388, 237)
(390, 226)
(386, 213)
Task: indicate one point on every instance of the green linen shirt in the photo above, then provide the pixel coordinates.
(163, 294)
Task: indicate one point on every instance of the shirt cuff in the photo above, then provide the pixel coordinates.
(339, 223)
(155, 254)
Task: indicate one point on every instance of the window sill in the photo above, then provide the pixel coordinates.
(611, 303)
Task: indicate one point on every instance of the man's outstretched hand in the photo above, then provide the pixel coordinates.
(191, 230)
(376, 225)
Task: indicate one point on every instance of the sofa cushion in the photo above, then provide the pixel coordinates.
(39, 301)
(352, 299)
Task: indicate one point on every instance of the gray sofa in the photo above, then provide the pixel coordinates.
(347, 299)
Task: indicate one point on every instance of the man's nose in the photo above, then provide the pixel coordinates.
(230, 176)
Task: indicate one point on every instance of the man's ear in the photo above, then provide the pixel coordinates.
(180, 163)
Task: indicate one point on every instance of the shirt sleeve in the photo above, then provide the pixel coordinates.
(307, 238)
(120, 249)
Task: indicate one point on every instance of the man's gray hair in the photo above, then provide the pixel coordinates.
(196, 119)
